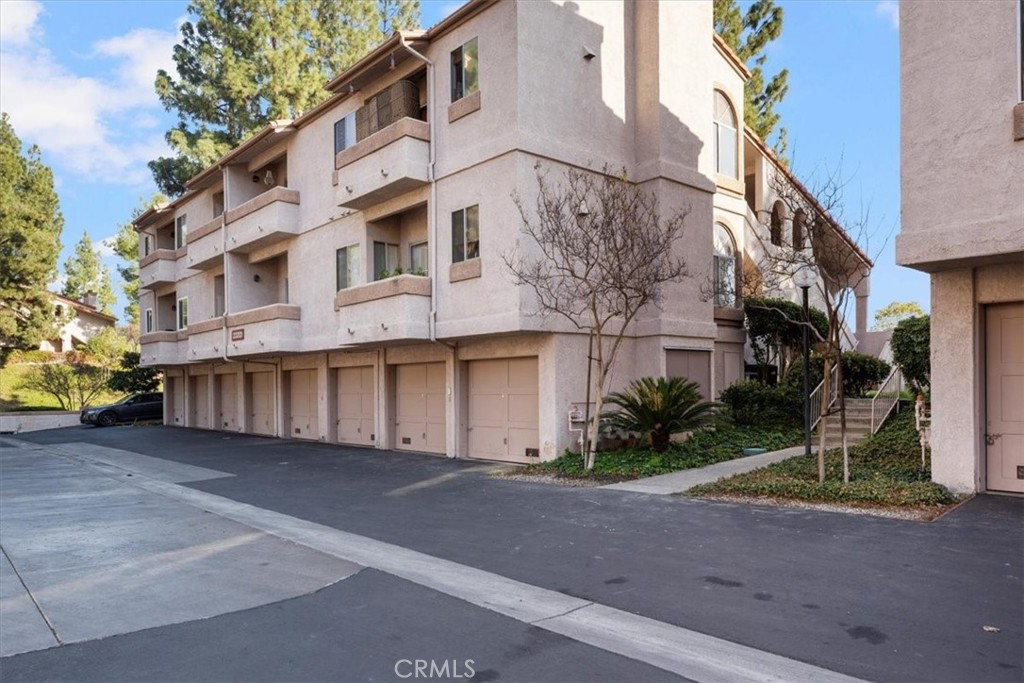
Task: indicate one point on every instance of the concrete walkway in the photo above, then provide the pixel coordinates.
(678, 482)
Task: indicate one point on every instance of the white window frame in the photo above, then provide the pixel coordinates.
(426, 258)
(347, 129)
(392, 259)
(726, 295)
(182, 313)
(148, 320)
(181, 231)
(465, 81)
(461, 250)
(353, 258)
(147, 244)
(722, 129)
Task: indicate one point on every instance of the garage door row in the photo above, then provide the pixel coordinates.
(500, 397)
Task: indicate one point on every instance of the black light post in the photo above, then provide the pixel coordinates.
(804, 278)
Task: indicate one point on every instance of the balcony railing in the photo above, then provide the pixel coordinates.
(205, 245)
(163, 348)
(271, 217)
(268, 329)
(394, 309)
(206, 339)
(158, 269)
(388, 163)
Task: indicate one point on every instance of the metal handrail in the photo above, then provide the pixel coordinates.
(815, 399)
(887, 398)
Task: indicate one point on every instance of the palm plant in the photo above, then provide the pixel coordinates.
(658, 407)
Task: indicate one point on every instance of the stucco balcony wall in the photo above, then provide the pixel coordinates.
(385, 165)
(395, 309)
(269, 218)
(163, 348)
(206, 340)
(276, 328)
(158, 269)
(205, 245)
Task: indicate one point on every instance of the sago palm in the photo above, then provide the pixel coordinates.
(657, 407)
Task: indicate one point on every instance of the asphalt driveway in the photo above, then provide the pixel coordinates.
(878, 599)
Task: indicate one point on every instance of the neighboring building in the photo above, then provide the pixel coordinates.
(876, 343)
(962, 138)
(269, 293)
(80, 322)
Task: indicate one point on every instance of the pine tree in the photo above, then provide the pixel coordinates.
(748, 34)
(30, 228)
(84, 273)
(242, 63)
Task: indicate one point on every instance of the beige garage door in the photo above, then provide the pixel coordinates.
(503, 409)
(356, 414)
(227, 402)
(261, 403)
(200, 402)
(420, 409)
(1004, 356)
(693, 365)
(302, 423)
(176, 389)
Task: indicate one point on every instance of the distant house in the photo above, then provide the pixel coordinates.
(83, 321)
(876, 343)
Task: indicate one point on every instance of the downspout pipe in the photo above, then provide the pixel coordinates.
(431, 178)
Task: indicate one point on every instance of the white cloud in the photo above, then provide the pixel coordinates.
(18, 21)
(86, 125)
(105, 247)
(889, 9)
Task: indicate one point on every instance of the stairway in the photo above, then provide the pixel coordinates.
(858, 424)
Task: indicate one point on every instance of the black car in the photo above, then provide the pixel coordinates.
(128, 409)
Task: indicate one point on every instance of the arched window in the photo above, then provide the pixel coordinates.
(778, 213)
(799, 223)
(726, 136)
(724, 267)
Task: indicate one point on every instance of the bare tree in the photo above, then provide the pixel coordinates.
(821, 239)
(603, 253)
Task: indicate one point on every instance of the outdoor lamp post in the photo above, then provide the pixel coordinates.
(804, 278)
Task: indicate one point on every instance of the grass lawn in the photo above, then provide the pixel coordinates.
(15, 398)
(884, 472)
(705, 447)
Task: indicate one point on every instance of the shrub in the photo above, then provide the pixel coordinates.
(73, 383)
(911, 350)
(759, 404)
(862, 372)
(31, 356)
(658, 408)
(130, 378)
(773, 326)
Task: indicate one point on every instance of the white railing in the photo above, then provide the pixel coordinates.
(887, 399)
(816, 396)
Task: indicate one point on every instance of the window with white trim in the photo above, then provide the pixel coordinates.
(385, 260)
(347, 266)
(726, 136)
(147, 244)
(466, 234)
(183, 313)
(465, 70)
(419, 259)
(180, 231)
(345, 132)
(724, 267)
(149, 321)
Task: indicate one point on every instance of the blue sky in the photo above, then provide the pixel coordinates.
(77, 79)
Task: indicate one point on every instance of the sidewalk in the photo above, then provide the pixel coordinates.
(678, 482)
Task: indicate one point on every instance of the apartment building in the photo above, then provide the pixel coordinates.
(962, 176)
(340, 277)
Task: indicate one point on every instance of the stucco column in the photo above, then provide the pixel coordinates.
(956, 412)
(862, 291)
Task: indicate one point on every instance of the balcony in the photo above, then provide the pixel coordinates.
(402, 303)
(158, 269)
(269, 218)
(205, 245)
(163, 348)
(268, 329)
(388, 163)
(206, 340)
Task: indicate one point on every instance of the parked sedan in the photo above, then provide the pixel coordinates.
(134, 407)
